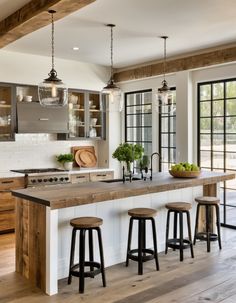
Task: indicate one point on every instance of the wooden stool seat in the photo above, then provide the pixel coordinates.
(142, 212)
(86, 222)
(180, 206)
(207, 200)
(178, 209)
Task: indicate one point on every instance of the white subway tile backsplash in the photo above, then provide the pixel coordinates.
(35, 151)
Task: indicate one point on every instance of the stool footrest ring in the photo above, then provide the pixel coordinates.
(203, 236)
(175, 243)
(150, 254)
(91, 273)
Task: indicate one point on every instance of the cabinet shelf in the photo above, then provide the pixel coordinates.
(5, 106)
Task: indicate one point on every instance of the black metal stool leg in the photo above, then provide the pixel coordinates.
(175, 226)
(91, 256)
(140, 246)
(155, 242)
(196, 224)
(218, 224)
(101, 256)
(181, 236)
(129, 240)
(72, 253)
(208, 227)
(81, 260)
(189, 233)
(144, 236)
(167, 230)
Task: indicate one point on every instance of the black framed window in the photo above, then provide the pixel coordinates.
(217, 138)
(138, 119)
(167, 134)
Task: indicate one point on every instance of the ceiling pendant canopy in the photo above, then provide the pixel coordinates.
(112, 91)
(52, 91)
(164, 93)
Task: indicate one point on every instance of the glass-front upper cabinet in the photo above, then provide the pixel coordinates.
(86, 119)
(7, 113)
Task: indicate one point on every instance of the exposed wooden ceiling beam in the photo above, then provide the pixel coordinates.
(189, 62)
(34, 15)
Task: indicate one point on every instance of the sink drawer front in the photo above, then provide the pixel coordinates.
(7, 202)
(12, 183)
(79, 178)
(101, 176)
(7, 221)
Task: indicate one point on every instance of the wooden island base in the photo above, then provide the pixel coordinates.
(43, 233)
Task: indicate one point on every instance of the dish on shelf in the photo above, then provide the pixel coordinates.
(93, 121)
(3, 102)
(77, 106)
(185, 174)
(93, 106)
(85, 158)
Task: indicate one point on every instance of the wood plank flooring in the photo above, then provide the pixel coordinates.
(209, 277)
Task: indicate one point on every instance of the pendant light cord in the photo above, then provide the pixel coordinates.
(164, 64)
(53, 48)
(112, 72)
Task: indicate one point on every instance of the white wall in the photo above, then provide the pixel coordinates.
(39, 150)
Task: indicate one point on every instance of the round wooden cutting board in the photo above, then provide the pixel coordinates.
(85, 158)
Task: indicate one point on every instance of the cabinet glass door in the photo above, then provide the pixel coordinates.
(76, 114)
(95, 117)
(6, 116)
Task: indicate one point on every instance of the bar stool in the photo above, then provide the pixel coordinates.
(178, 209)
(84, 224)
(209, 203)
(142, 254)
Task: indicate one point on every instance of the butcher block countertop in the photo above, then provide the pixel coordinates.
(61, 196)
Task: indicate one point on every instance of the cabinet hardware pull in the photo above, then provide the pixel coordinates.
(43, 119)
(101, 175)
(5, 191)
(6, 182)
(80, 177)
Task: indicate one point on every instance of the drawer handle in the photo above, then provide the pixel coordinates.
(80, 177)
(7, 182)
(5, 191)
(43, 119)
(101, 175)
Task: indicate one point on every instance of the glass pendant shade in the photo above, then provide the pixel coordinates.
(52, 92)
(111, 93)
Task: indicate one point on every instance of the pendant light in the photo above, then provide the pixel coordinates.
(52, 91)
(111, 91)
(164, 93)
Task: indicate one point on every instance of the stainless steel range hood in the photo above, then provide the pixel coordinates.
(33, 118)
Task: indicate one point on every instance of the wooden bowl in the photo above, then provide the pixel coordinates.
(185, 174)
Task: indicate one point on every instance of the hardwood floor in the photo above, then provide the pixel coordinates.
(209, 277)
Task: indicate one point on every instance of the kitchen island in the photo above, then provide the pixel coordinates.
(43, 214)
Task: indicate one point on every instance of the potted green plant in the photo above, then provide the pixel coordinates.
(128, 153)
(66, 160)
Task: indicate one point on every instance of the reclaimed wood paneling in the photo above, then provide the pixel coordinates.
(34, 15)
(31, 242)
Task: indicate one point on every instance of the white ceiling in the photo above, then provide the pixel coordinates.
(190, 24)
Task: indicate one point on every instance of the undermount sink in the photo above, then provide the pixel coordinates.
(120, 180)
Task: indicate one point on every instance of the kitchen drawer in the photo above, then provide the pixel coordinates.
(12, 183)
(79, 178)
(7, 221)
(101, 176)
(7, 201)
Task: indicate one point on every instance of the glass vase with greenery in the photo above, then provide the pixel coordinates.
(128, 153)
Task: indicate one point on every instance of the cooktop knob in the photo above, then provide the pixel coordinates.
(40, 180)
(56, 179)
(33, 181)
(45, 180)
(51, 179)
(61, 179)
(66, 178)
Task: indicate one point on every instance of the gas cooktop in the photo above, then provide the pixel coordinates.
(37, 170)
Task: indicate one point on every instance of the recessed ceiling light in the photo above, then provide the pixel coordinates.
(75, 48)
